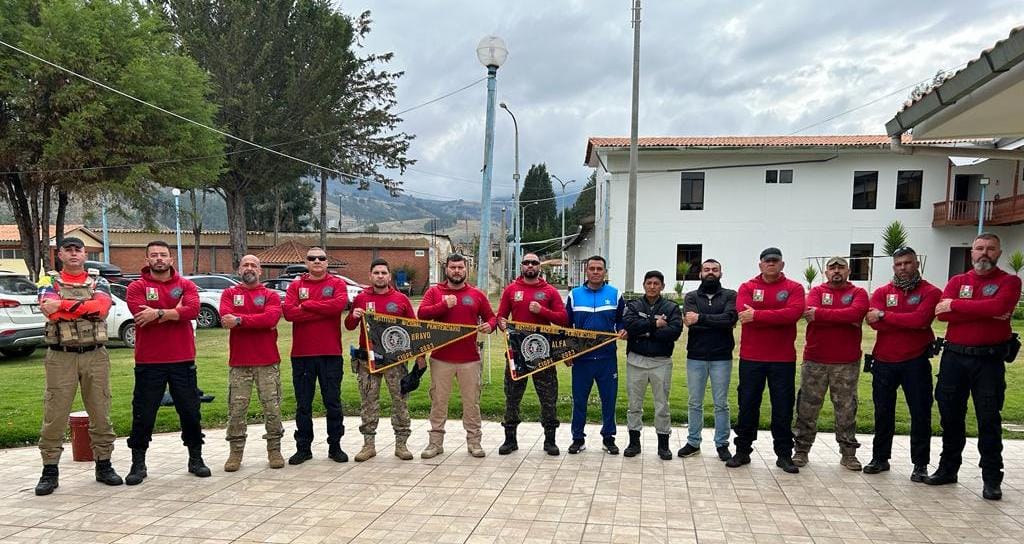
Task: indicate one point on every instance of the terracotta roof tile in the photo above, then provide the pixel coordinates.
(10, 233)
(290, 252)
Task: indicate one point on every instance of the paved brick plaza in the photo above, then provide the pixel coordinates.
(525, 497)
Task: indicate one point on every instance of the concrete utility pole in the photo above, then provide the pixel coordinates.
(633, 137)
(565, 269)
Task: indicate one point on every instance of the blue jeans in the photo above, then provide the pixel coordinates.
(697, 373)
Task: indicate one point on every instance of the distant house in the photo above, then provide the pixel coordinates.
(12, 255)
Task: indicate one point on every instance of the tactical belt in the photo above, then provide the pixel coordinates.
(995, 350)
(76, 349)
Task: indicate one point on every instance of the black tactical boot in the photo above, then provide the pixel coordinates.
(196, 465)
(48, 481)
(633, 448)
(138, 471)
(549, 442)
(511, 444)
(336, 454)
(302, 454)
(106, 474)
(663, 451)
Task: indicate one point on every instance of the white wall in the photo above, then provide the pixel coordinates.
(812, 217)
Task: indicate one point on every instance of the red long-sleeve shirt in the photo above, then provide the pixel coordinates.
(977, 301)
(777, 307)
(314, 306)
(170, 341)
(906, 329)
(391, 302)
(471, 308)
(254, 341)
(833, 337)
(99, 304)
(518, 295)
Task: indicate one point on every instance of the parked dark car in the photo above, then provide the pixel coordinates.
(106, 270)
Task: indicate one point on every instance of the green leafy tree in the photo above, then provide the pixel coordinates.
(537, 201)
(286, 73)
(64, 137)
(894, 237)
(585, 203)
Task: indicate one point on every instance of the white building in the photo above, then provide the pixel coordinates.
(728, 198)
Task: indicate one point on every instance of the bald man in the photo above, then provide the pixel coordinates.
(250, 312)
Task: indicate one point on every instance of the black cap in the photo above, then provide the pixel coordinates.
(771, 253)
(71, 241)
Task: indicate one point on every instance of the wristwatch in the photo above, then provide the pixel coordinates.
(159, 314)
(881, 315)
(238, 321)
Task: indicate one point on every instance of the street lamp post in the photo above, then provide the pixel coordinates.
(522, 217)
(491, 52)
(177, 224)
(981, 205)
(565, 269)
(517, 230)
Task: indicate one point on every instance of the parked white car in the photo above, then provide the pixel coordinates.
(209, 308)
(22, 323)
(352, 287)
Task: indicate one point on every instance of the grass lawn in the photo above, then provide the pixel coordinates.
(22, 391)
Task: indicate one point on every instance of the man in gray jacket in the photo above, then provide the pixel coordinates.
(710, 312)
(653, 324)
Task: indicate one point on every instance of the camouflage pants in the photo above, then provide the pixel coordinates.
(369, 394)
(840, 380)
(65, 371)
(545, 383)
(268, 387)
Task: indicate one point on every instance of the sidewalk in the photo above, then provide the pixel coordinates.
(526, 497)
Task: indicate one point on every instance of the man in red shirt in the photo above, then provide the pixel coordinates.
(834, 313)
(902, 312)
(455, 301)
(769, 307)
(163, 305)
(380, 298)
(75, 306)
(250, 312)
(314, 303)
(530, 299)
(978, 306)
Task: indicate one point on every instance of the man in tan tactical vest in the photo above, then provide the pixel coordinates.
(76, 307)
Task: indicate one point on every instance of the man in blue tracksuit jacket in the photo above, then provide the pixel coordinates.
(595, 306)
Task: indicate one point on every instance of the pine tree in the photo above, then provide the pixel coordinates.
(537, 204)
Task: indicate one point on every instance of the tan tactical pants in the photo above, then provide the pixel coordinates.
(64, 372)
(442, 374)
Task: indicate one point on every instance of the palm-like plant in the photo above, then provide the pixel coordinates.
(1016, 262)
(810, 274)
(894, 237)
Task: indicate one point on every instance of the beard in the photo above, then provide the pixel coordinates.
(984, 265)
(454, 280)
(249, 277)
(531, 273)
(160, 267)
(710, 284)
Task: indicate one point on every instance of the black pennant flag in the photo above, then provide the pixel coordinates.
(393, 340)
(532, 348)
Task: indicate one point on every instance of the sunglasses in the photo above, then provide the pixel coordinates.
(531, 263)
(312, 258)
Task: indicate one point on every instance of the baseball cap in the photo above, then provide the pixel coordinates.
(771, 253)
(837, 260)
(72, 241)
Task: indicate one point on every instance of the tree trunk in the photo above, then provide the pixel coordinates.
(18, 197)
(197, 227)
(234, 198)
(323, 209)
(278, 205)
(43, 228)
(62, 212)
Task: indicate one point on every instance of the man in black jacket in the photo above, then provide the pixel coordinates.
(710, 312)
(653, 324)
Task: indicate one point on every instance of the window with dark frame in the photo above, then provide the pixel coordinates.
(689, 253)
(778, 176)
(865, 190)
(908, 189)
(860, 261)
(691, 191)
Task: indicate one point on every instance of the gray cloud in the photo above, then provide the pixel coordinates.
(707, 68)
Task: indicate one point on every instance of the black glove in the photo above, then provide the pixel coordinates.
(411, 382)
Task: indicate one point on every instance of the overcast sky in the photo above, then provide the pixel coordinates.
(707, 68)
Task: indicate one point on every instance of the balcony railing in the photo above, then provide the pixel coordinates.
(1005, 211)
